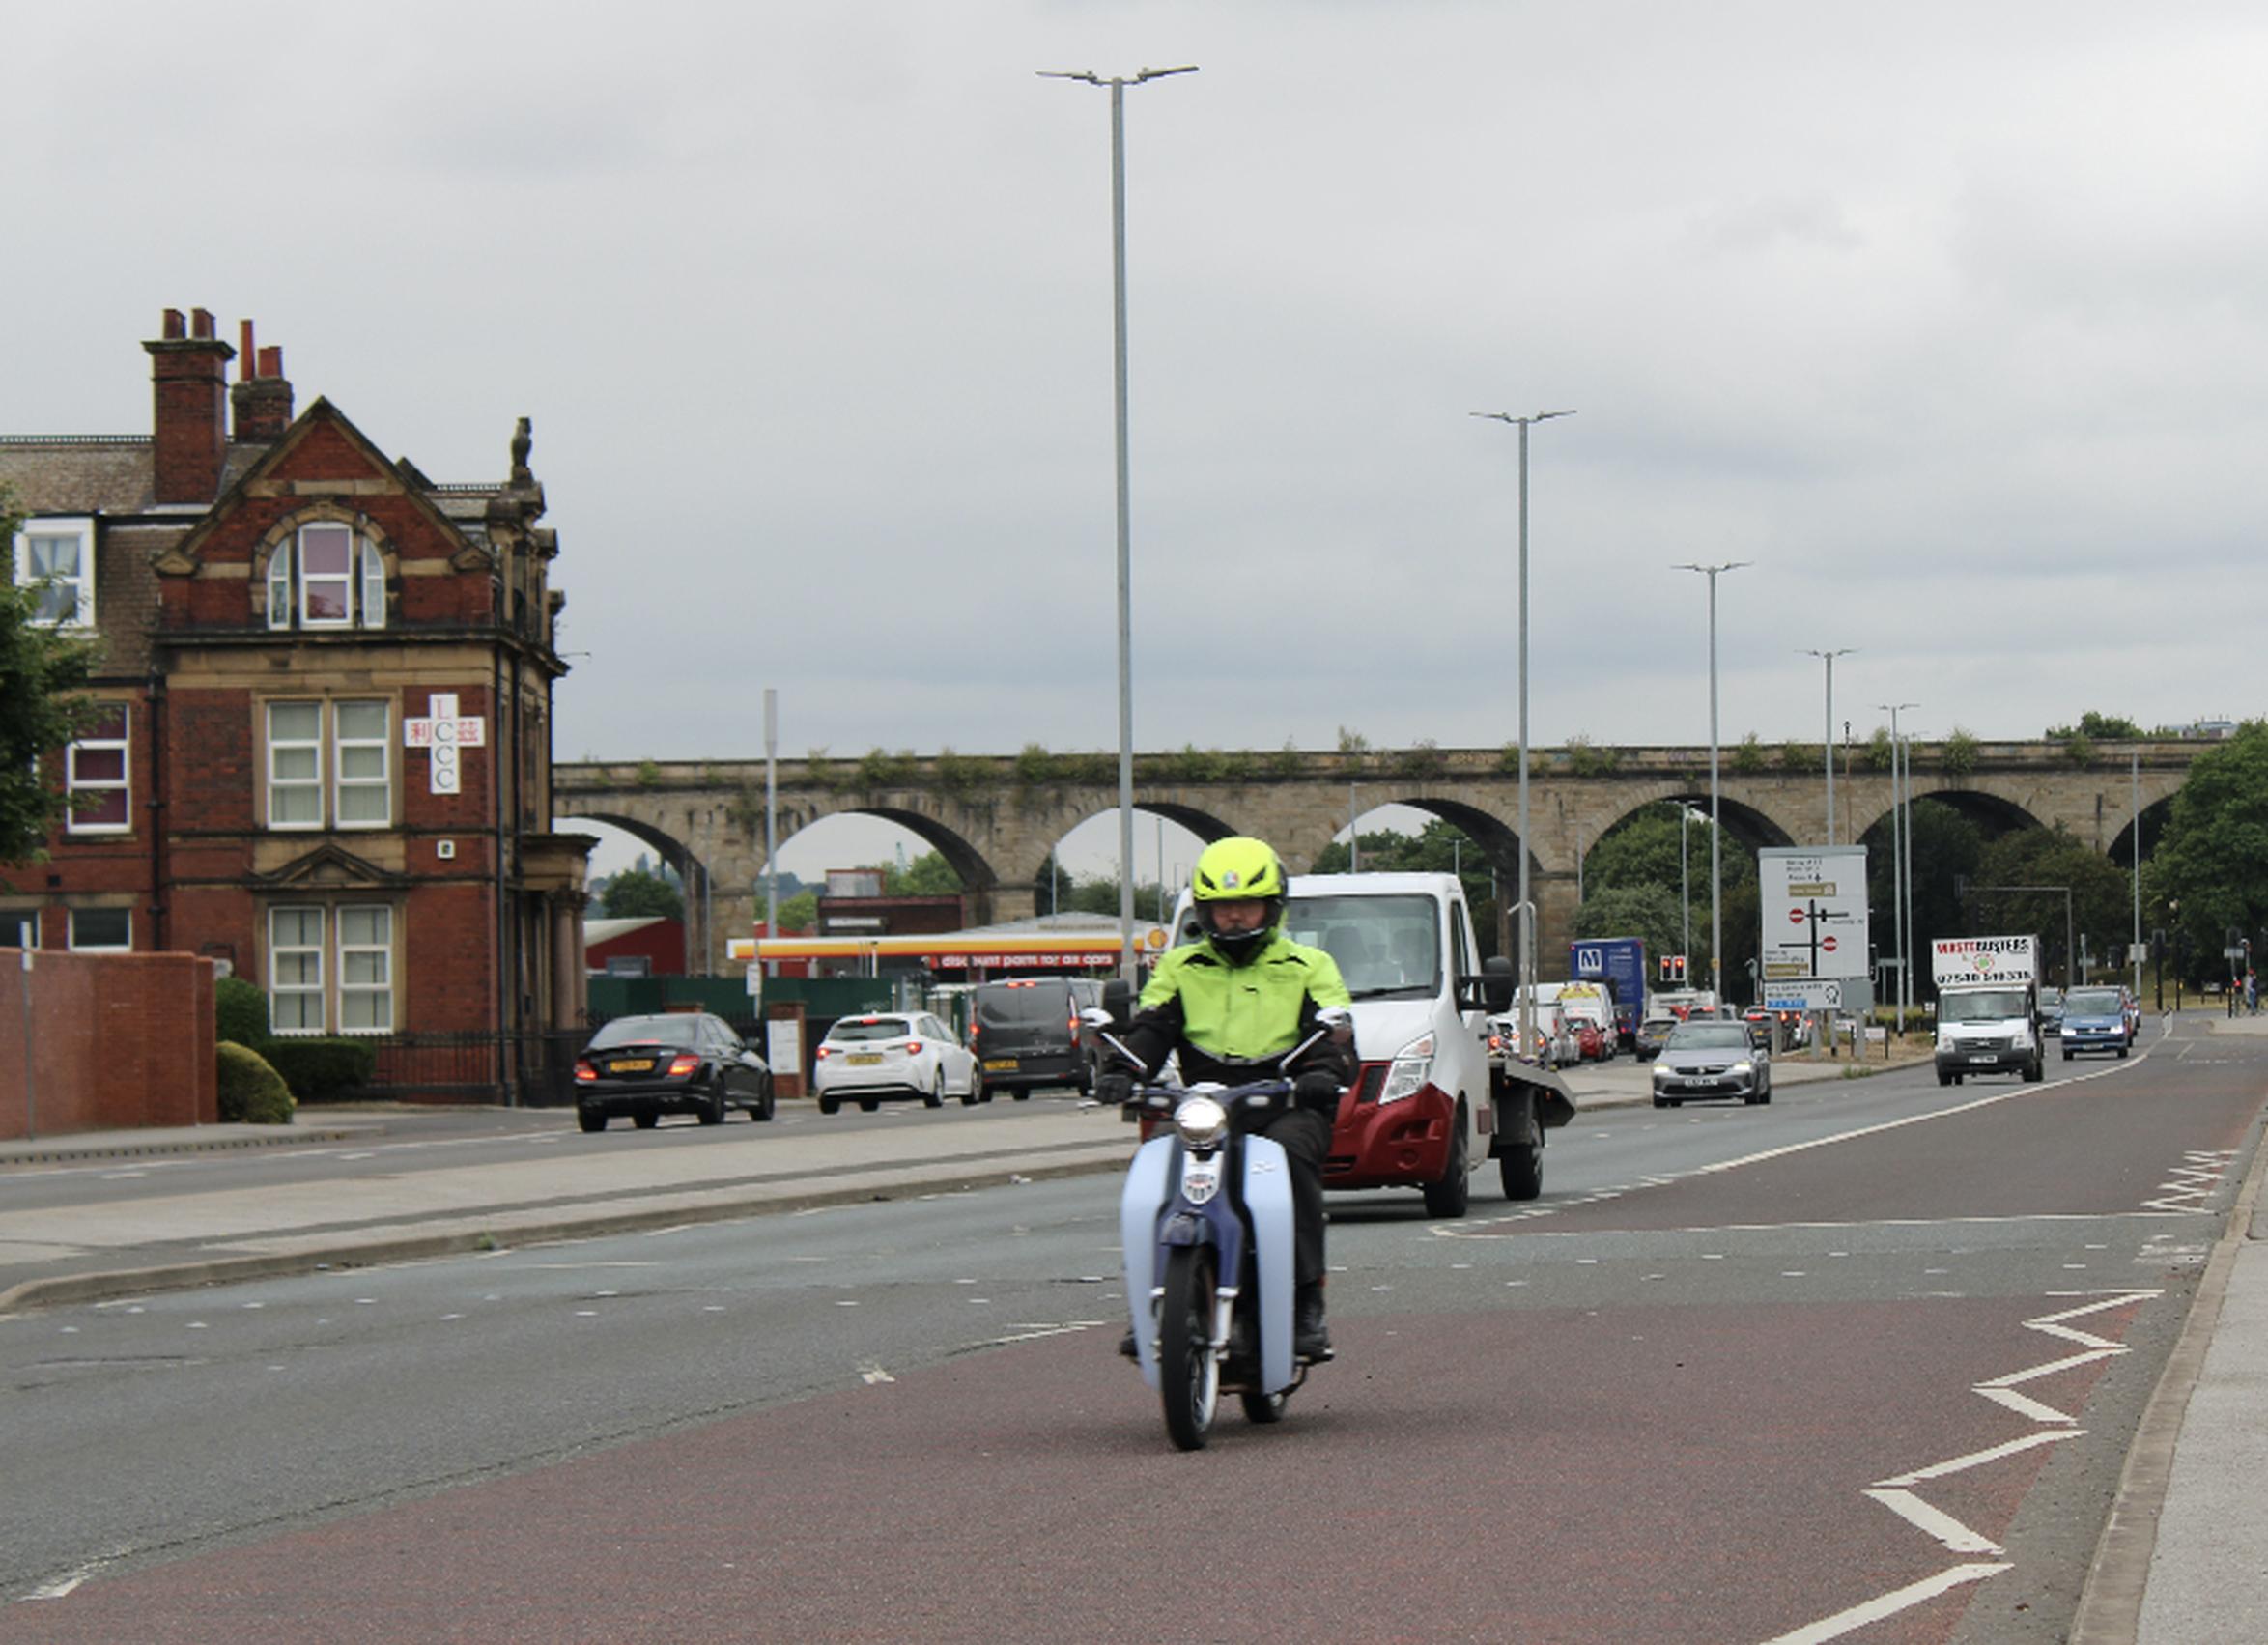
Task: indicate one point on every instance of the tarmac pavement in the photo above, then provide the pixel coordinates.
(2184, 1560)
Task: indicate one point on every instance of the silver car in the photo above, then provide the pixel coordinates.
(1711, 1060)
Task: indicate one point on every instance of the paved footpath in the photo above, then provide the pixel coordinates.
(2185, 1560)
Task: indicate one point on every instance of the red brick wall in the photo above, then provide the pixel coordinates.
(117, 1040)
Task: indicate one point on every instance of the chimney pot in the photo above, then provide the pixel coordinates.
(200, 323)
(175, 326)
(247, 367)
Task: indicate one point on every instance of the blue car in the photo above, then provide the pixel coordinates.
(2095, 1019)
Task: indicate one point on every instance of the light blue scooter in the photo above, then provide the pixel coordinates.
(1205, 1225)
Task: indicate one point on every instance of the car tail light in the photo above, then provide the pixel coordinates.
(912, 1047)
(683, 1064)
(1073, 1024)
(585, 1073)
(824, 1052)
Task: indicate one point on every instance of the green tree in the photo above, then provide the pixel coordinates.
(1946, 850)
(1643, 851)
(926, 876)
(41, 669)
(2098, 729)
(633, 894)
(2209, 875)
(1648, 912)
(2101, 902)
(798, 914)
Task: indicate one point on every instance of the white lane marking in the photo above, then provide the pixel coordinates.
(1033, 1333)
(62, 1585)
(2052, 1367)
(1934, 1522)
(872, 1372)
(2024, 1405)
(1978, 1459)
(569, 1267)
(1888, 1604)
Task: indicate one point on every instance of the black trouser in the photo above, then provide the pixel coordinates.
(1305, 1137)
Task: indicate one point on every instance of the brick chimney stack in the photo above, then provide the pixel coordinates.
(262, 399)
(188, 369)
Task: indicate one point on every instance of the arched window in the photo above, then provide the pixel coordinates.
(327, 575)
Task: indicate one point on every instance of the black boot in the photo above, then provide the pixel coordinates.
(1309, 1338)
(1127, 1349)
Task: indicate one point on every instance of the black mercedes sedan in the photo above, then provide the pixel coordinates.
(683, 1062)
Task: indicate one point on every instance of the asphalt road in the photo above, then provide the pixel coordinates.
(1864, 1363)
(396, 1141)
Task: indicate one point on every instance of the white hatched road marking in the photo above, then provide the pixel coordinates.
(1932, 1521)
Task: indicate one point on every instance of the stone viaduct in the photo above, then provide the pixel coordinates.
(997, 819)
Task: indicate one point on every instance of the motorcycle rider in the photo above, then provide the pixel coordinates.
(1231, 1006)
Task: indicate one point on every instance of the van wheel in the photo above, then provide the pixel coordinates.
(1448, 1197)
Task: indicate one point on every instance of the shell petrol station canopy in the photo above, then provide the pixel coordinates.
(1029, 945)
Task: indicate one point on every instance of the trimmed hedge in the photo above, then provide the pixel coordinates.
(240, 1012)
(251, 1092)
(319, 1068)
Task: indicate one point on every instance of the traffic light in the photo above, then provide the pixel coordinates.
(1673, 969)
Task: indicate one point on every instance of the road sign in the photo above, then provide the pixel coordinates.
(1815, 922)
(1819, 994)
(1804, 994)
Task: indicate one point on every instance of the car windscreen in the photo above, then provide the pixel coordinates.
(647, 1031)
(1708, 1036)
(1023, 1006)
(853, 1029)
(2093, 1003)
(1384, 945)
(1981, 1004)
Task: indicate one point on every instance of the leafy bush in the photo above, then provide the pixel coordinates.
(1284, 761)
(1802, 756)
(251, 1092)
(1959, 754)
(1034, 766)
(1748, 758)
(1585, 759)
(1877, 752)
(1424, 763)
(317, 1070)
(240, 1012)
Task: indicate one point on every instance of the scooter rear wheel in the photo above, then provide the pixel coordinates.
(1188, 1376)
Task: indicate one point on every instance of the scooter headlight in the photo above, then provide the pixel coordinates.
(1202, 1122)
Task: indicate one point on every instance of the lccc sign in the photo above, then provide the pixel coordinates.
(441, 733)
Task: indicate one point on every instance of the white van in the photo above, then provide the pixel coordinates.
(1426, 1107)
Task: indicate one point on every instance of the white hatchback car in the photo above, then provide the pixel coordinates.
(894, 1053)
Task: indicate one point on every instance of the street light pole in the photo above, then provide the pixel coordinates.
(1117, 84)
(1716, 819)
(1827, 741)
(1527, 924)
(1901, 858)
(772, 819)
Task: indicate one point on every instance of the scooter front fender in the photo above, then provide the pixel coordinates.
(1268, 1201)
(1148, 1189)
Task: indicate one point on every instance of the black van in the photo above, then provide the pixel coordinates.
(1026, 1033)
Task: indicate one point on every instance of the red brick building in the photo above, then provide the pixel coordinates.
(327, 757)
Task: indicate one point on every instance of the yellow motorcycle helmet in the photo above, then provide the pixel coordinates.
(1238, 870)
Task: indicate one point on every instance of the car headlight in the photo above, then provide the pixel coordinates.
(1413, 1066)
(1741, 1070)
(2021, 1039)
(1202, 1122)
(1945, 1042)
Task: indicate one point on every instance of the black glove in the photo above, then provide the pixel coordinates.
(1113, 1087)
(1318, 1091)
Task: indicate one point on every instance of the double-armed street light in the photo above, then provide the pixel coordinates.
(1827, 741)
(1527, 908)
(1716, 821)
(1117, 84)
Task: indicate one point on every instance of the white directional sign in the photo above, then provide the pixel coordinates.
(1804, 994)
(1814, 913)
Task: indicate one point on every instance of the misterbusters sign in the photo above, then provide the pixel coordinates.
(1957, 961)
(1814, 911)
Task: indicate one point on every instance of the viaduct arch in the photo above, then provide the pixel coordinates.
(997, 819)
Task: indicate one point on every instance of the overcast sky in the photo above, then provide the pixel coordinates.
(1951, 318)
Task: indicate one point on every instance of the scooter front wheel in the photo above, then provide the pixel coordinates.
(1265, 1407)
(1188, 1376)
